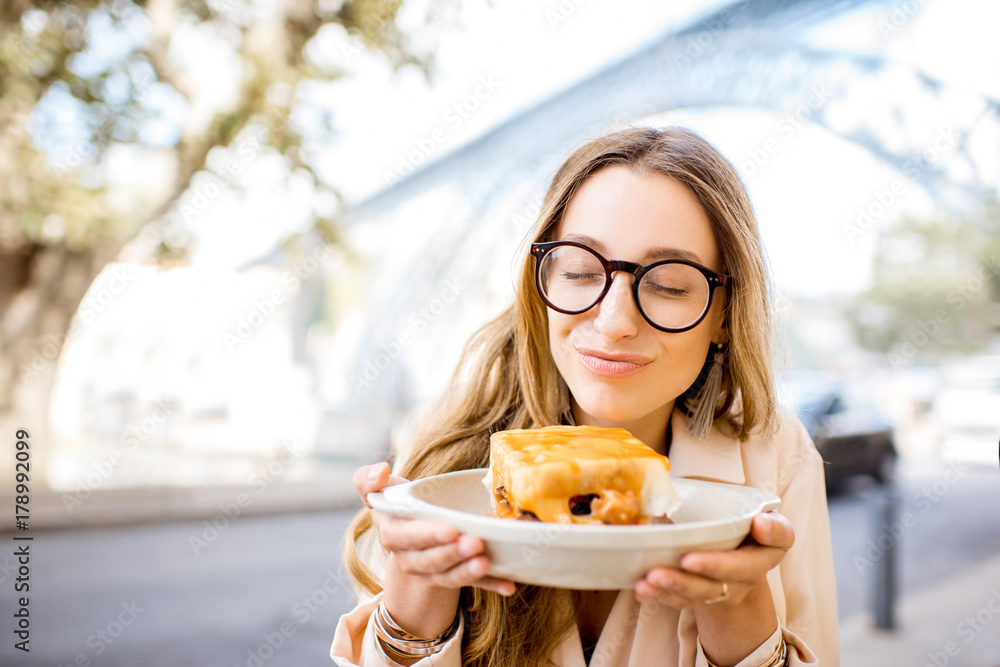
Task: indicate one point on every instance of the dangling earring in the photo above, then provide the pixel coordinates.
(702, 406)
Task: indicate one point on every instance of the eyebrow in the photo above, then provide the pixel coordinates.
(655, 254)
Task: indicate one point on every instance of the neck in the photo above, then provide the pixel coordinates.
(651, 429)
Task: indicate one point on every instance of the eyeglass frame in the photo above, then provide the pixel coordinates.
(715, 279)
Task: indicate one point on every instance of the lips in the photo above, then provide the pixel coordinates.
(611, 364)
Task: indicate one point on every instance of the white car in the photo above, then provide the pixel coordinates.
(967, 411)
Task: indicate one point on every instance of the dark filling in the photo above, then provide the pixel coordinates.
(507, 511)
(580, 505)
(502, 494)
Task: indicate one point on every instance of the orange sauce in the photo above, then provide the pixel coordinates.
(541, 469)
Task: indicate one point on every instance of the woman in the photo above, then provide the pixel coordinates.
(599, 336)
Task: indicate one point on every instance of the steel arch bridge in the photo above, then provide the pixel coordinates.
(758, 54)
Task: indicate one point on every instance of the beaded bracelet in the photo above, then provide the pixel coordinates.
(395, 640)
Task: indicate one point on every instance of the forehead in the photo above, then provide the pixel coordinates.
(640, 218)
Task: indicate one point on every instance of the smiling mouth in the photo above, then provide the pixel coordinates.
(611, 364)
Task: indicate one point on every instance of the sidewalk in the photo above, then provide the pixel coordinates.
(953, 623)
(956, 623)
(306, 486)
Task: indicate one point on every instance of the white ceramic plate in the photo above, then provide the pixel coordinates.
(712, 517)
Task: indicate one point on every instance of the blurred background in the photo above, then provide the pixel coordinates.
(243, 241)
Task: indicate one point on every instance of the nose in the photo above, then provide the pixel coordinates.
(617, 314)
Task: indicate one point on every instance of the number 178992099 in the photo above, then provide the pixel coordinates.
(22, 470)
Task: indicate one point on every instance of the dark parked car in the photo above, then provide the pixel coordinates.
(852, 435)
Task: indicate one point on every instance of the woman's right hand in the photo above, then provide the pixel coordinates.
(427, 554)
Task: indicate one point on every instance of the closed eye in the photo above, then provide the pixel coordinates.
(664, 290)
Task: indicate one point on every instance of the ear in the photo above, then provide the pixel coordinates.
(721, 335)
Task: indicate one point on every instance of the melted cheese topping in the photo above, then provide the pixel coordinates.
(539, 470)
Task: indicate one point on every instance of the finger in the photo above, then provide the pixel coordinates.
(690, 589)
(772, 530)
(454, 565)
(439, 559)
(750, 563)
(375, 477)
(645, 590)
(771, 535)
(397, 534)
(473, 573)
(504, 587)
(367, 479)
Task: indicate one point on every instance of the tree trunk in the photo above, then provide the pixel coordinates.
(41, 288)
(42, 285)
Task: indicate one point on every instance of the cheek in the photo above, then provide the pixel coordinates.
(685, 353)
(684, 361)
(560, 328)
(680, 358)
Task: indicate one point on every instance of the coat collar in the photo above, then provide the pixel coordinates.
(718, 458)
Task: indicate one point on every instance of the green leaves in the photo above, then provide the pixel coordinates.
(937, 288)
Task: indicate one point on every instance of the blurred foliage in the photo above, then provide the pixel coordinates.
(936, 289)
(85, 81)
(107, 66)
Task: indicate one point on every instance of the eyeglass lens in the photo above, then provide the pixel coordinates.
(671, 295)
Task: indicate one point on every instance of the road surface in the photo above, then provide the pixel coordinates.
(267, 591)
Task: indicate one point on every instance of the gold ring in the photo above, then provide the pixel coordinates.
(724, 596)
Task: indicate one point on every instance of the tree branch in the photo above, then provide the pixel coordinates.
(163, 17)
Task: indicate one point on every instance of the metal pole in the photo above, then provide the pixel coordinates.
(885, 506)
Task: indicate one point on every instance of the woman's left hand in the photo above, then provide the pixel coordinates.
(705, 576)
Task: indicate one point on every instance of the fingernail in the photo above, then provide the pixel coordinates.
(691, 564)
(444, 535)
(374, 473)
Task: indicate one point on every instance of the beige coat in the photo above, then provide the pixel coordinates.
(652, 634)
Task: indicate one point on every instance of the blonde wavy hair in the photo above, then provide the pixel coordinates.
(506, 377)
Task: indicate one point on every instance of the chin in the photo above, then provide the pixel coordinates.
(612, 410)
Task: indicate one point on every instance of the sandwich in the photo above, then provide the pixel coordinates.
(578, 474)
